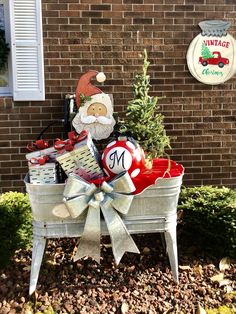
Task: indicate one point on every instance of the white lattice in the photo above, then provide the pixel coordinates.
(43, 173)
(83, 160)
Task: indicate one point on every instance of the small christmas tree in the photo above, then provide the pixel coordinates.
(206, 53)
(145, 124)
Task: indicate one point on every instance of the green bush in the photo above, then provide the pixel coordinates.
(209, 218)
(15, 224)
(224, 309)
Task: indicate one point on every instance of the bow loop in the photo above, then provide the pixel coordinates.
(72, 205)
(122, 183)
(75, 185)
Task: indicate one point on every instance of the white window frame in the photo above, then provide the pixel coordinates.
(26, 38)
(7, 91)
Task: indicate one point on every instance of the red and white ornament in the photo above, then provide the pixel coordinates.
(123, 155)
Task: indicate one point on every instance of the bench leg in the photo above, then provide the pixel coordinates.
(171, 244)
(39, 244)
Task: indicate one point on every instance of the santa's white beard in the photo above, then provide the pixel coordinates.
(99, 128)
(93, 119)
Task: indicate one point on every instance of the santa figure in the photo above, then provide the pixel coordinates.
(95, 113)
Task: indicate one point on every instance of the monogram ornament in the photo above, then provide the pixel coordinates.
(123, 155)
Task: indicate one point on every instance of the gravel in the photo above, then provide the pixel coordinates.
(140, 284)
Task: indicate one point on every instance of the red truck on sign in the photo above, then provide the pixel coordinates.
(217, 60)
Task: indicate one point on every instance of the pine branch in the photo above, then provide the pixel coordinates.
(143, 121)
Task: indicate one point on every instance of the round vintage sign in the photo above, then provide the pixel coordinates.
(211, 54)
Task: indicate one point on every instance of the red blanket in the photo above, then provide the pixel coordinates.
(162, 168)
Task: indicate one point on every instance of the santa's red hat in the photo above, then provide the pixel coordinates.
(85, 87)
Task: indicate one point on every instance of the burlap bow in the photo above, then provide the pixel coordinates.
(111, 197)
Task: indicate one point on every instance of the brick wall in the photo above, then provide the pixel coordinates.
(109, 35)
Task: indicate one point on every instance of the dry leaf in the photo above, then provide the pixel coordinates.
(229, 289)
(224, 264)
(36, 295)
(224, 282)
(27, 268)
(185, 267)
(108, 245)
(146, 250)
(124, 308)
(200, 310)
(198, 269)
(51, 262)
(219, 277)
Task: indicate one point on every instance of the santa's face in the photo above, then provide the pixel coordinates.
(95, 120)
(97, 109)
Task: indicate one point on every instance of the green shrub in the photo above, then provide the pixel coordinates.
(15, 224)
(224, 309)
(209, 218)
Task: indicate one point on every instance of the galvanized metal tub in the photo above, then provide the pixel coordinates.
(152, 211)
(159, 199)
(44, 198)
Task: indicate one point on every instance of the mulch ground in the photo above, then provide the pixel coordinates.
(140, 284)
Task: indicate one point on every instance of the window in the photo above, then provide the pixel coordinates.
(25, 72)
(5, 77)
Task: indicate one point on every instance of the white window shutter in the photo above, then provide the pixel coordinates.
(27, 50)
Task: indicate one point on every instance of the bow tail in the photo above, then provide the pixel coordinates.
(90, 241)
(122, 202)
(121, 239)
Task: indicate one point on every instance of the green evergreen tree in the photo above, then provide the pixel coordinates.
(206, 53)
(143, 121)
